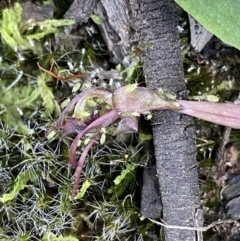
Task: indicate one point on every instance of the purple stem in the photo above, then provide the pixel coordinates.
(103, 121)
(80, 164)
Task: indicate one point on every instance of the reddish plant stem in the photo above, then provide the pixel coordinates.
(103, 121)
(80, 163)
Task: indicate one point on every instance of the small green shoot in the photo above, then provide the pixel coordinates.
(130, 167)
(96, 19)
(84, 188)
(19, 185)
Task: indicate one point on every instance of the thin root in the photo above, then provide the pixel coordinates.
(59, 77)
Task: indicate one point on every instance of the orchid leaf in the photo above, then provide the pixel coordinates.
(140, 100)
(73, 125)
(127, 125)
(226, 114)
(218, 109)
(80, 102)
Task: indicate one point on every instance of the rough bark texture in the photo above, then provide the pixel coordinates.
(174, 134)
(81, 10)
(151, 205)
(115, 26)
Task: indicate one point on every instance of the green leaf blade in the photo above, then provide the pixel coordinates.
(219, 17)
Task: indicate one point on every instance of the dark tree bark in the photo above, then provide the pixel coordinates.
(174, 134)
(81, 10)
(115, 26)
(151, 205)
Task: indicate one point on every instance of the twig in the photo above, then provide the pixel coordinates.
(59, 77)
(202, 229)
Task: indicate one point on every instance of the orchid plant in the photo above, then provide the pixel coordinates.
(126, 104)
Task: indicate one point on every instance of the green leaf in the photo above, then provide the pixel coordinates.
(220, 17)
(3, 109)
(16, 33)
(50, 26)
(29, 99)
(83, 190)
(119, 68)
(76, 87)
(96, 19)
(9, 28)
(124, 173)
(65, 103)
(13, 105)
(18, 186)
